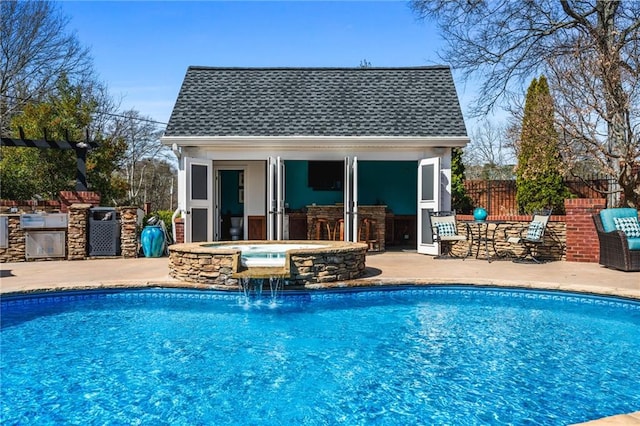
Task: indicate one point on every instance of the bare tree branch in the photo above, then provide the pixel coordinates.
(35, 50)
(590, 49)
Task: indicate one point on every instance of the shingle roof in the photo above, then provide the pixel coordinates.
(416, 101)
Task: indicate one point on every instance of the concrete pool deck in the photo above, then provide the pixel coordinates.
(391, 267)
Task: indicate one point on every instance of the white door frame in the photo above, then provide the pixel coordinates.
(428, 200)
(275, 198)
(350, 194)
(199, 203)
(217, 215)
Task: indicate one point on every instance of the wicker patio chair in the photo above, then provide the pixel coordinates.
(531, 237)
(618, 250)
(445, 232)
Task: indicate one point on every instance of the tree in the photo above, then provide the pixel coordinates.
(539, 181)
(489, 153)
(142, 137)
(589, 48)
(460, 201)
(35, 50)
(67, 113)
(158, 178)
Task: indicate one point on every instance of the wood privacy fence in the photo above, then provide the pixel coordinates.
(499, 196)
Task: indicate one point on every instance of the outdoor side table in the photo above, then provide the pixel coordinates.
(484, 234)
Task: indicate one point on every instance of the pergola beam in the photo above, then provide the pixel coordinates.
(80, 148)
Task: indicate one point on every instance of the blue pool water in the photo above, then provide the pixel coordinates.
(437, 355)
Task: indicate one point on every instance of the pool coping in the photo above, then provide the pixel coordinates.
(361, 283)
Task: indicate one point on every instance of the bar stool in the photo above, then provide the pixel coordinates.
(338, 230)
(369, 233)
(322, 229)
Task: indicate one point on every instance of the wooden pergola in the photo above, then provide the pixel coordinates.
(81, 148)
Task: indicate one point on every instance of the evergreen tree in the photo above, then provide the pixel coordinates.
(460, 201)
(539, 180)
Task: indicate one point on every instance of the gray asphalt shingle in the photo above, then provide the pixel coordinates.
(415, 101)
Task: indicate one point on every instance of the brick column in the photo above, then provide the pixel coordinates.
(179, 237)
(77, 231)
(582, 240)
(128, 231)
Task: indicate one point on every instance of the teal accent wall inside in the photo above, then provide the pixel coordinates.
(229, 199)
(297, 192)
(393, 183)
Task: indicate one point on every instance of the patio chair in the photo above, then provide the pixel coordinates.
(445, 232)
(530, 237)
(619, 237)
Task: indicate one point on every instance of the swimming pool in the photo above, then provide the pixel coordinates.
(431, 355)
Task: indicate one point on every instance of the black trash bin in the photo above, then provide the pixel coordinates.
(104, 232)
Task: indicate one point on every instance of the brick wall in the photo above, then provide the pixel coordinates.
(179, 237)
(28, 206)
(582, 240)
(67, 198)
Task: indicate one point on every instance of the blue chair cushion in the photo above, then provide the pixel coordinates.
(634, 243)
(628, 225)
(534, 232)
(607, 216)
(446, 229)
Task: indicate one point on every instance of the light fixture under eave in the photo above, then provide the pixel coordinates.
(176, 150)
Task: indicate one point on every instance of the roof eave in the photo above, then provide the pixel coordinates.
(317, 142)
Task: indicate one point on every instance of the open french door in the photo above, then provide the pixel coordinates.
(199, 202)
(428, 200)
(351, 199)
(275, 198)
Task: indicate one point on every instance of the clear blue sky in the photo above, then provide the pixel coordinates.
(142, 49)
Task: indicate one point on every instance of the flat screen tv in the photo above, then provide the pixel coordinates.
(326, 175)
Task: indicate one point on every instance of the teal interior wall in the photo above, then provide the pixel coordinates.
(229, 199)
(297, 191)
(393, 183)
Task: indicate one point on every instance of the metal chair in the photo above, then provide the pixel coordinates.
(445, 232)
(530, 237)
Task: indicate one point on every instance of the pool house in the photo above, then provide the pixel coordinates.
(353, 154)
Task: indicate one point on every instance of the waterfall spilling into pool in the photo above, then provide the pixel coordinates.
(252, 290)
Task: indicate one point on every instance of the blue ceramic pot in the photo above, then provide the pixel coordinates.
(480, 214)
(152, 241)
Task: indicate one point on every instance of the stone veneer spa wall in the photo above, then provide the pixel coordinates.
(214, 264)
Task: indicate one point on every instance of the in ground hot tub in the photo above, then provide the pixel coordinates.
(267, 255)
(299, 262)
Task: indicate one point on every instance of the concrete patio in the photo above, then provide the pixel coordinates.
(391, 267)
